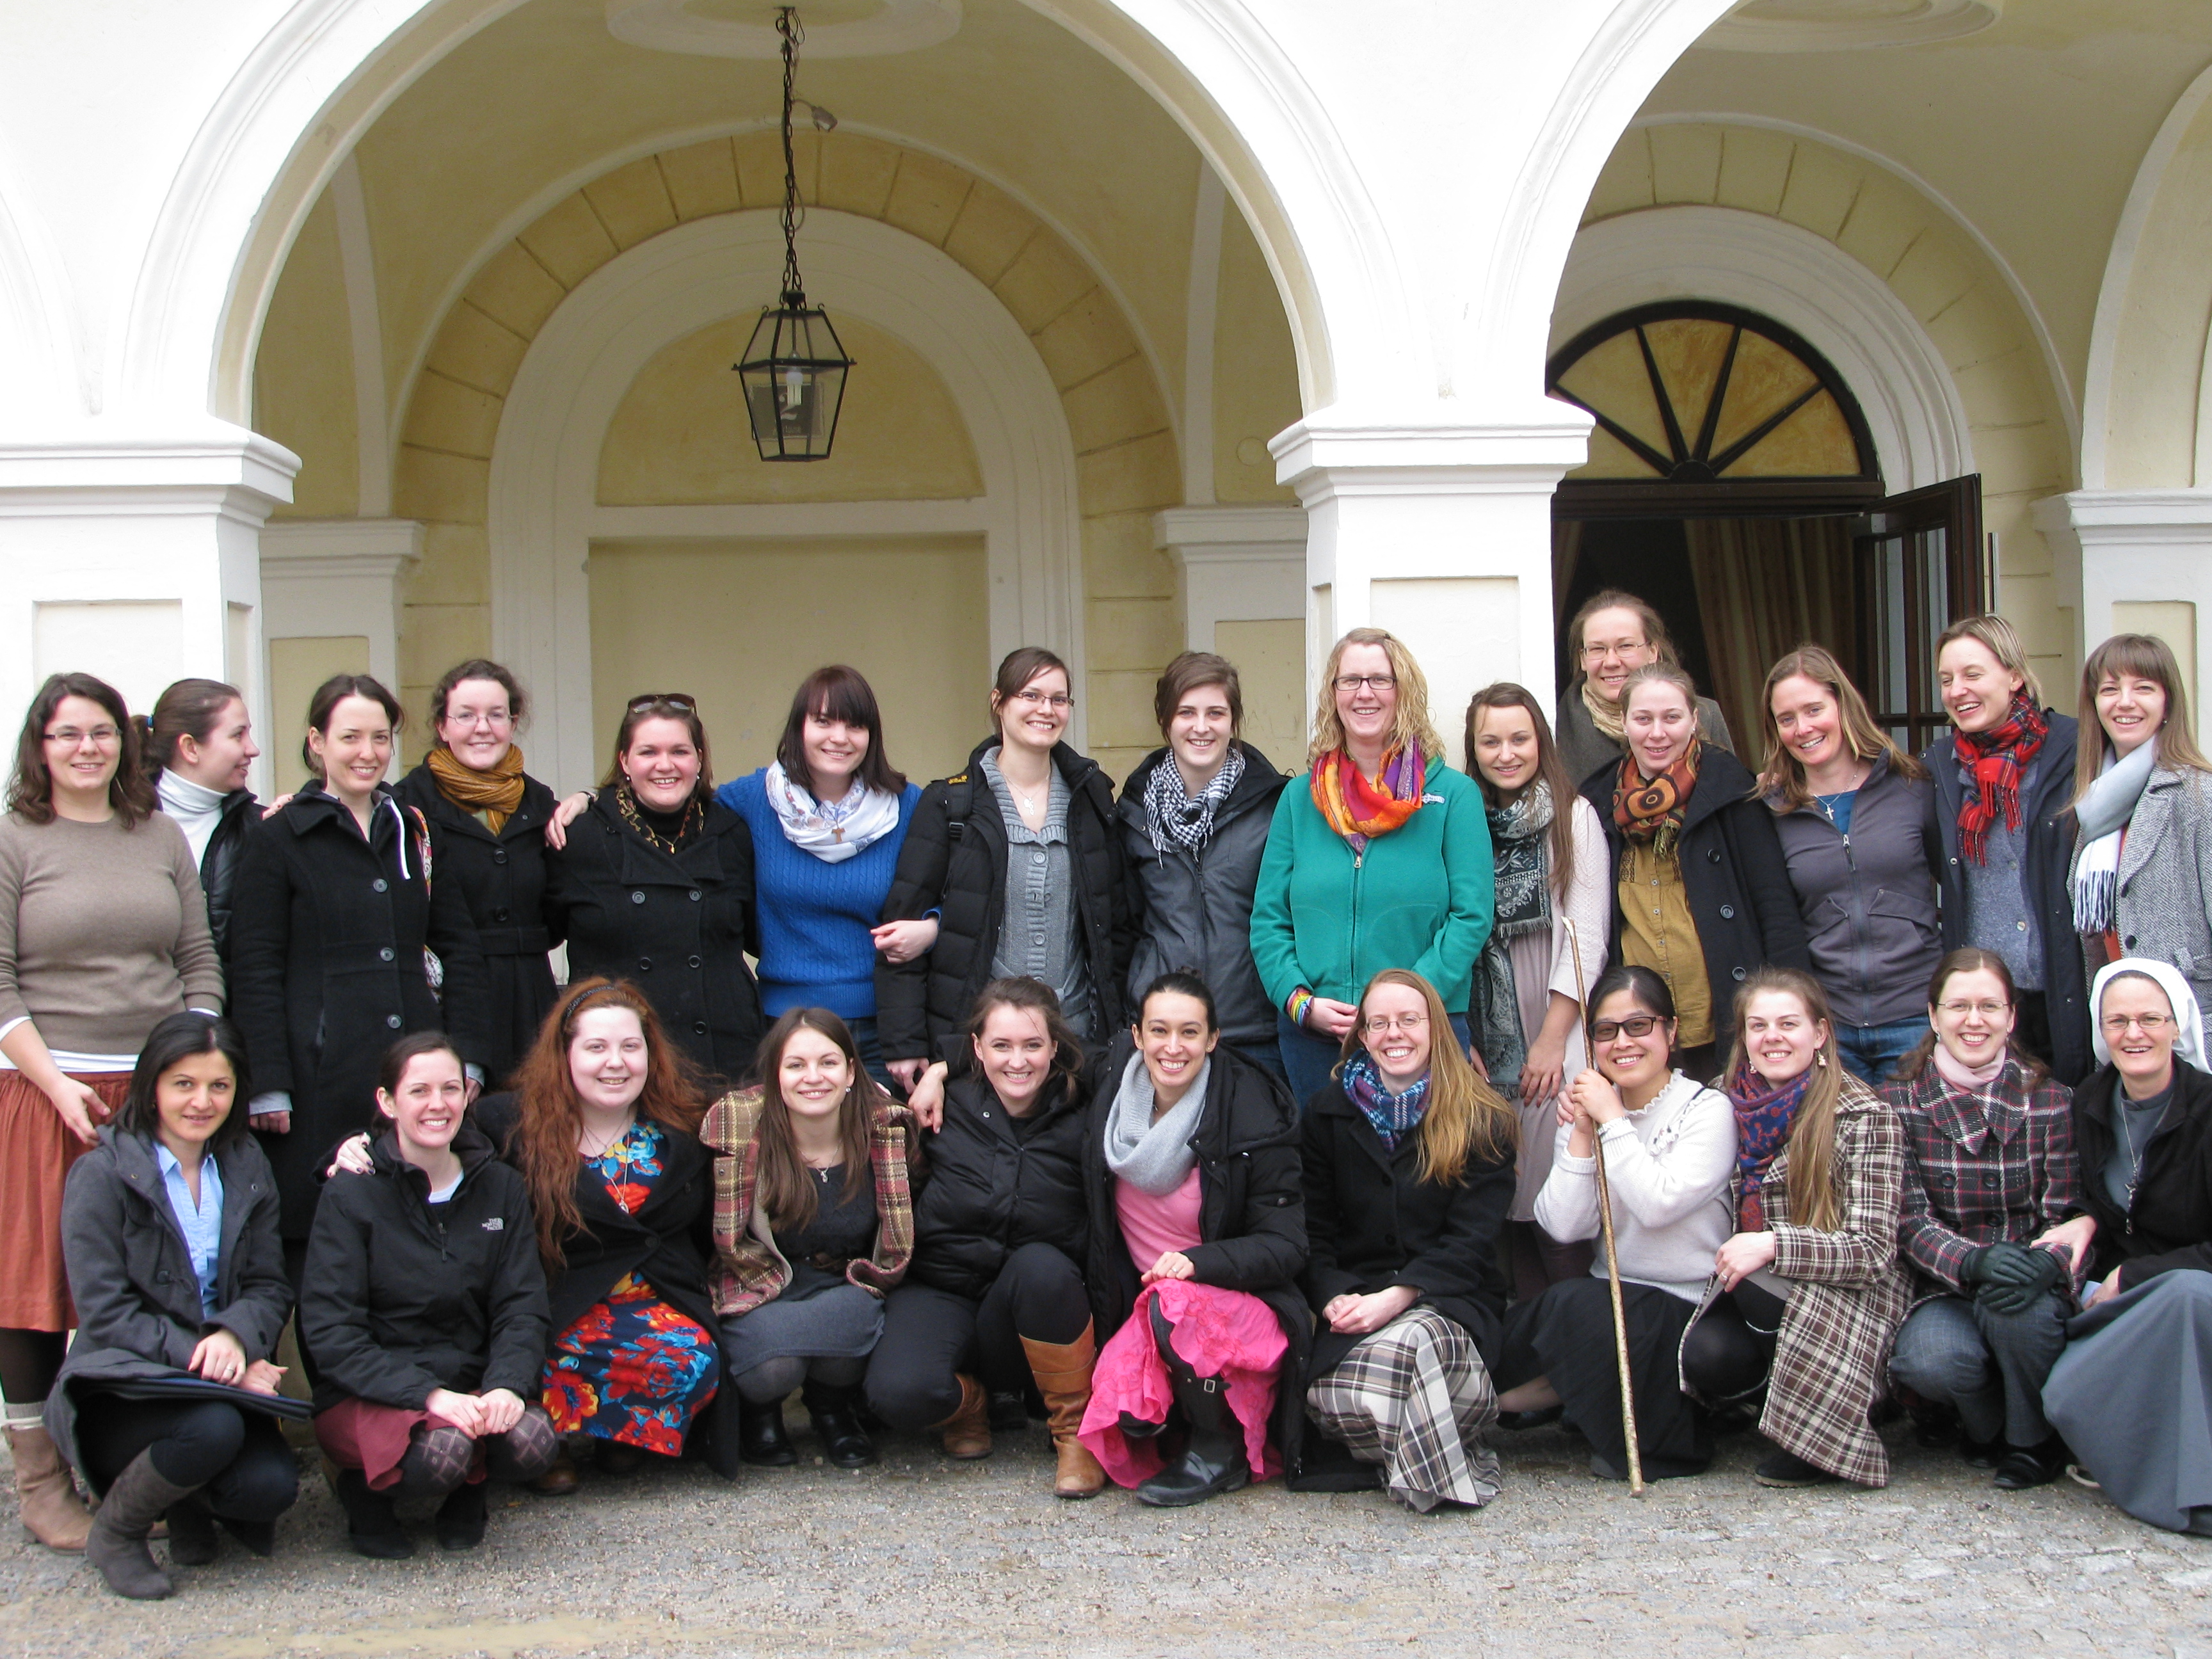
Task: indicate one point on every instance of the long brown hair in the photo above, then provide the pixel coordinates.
(323, 707)
(1411, 728)
(1813, 1200)
(837, 693)
(1465, 1118)
(549, 1114)
(1550, 771)
(2136, 656)
(783, 1188)
(1970, 960)
(1016, 670)
(1020, 991)
(662, 706)
(31, 792)
(1782, 772)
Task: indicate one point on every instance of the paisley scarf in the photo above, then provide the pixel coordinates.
(1992, 763)
(1392, 1117)
(1359, 811)
(496, 792)
(1521, 845)
(1650, 809)
(1763, 1114)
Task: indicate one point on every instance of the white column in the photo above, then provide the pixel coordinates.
(325, 577)
(133, 554)
(1237, 564)
(2142, 561)
(1443, 535)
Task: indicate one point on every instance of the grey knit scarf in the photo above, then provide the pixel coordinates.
(1155, 1158)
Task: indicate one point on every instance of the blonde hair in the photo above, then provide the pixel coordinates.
(2001, 640)
(1782, 772)
(1411, 728)
(2139, 656)
(1465, 1117)
(1813, 1201)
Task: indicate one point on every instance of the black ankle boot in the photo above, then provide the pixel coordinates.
(1136, 1428)
(372, 1527)
(460, 1522)
(837, 1422)
(1213, 1461)
(762, 1439)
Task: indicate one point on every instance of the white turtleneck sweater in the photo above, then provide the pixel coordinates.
(195, 808)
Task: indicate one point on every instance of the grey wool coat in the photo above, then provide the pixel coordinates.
(138, 1312)
(2163, 909)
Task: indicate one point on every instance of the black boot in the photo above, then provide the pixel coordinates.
(192, 1541)
(2027, 1467)
(762, 1439)
(117, 1545)
(1213, 1461)
(372, 1527)
(461, 1521)
(1136, 1428)
(837, 1422)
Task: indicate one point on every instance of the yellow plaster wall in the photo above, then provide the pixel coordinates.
(685, 615)
(1932, 265)
(303, 388)
(1255, 371)
(681, 436)
(2158, 352)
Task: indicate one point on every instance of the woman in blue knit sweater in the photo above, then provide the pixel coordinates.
(827, 818)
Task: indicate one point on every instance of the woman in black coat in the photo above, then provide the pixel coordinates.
(169, 1227)
(334, 922)
(1024, 836)
(1408, 1163)
(1198, 1225)
(491, 818)
(1693, 854)
(199, 747)
(994, 1296)
(424, 1303)
(655, 886)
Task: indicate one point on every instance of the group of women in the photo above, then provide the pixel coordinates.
(1236, 1124)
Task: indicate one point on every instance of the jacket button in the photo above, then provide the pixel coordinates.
(2129, 941)
(1728, 913)
(162, 1278)
(645, 965)
(1390, 1240)
(695, 962)
(499, 857)
(499, 916)
(699, 1027)
(696, 896)
(391, 1020)
(1737, 973)
(637, 898)
(379, 886)
(1712, 855)
(385, 954)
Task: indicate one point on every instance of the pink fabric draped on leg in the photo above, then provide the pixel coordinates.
(1227, 1333)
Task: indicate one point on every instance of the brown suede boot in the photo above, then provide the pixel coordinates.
(1062, 1371)
(967, 1433)
(52, 1512)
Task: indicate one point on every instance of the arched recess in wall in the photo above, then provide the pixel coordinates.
(34, 343)
(545, 467)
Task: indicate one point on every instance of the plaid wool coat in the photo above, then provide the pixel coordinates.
(1831, 1356)
(1983, 1166)
(748, 1268)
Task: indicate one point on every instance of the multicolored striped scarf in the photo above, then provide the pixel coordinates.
(1650, 809)
(1763, 1116)
(1392, 1117)
(1992, 763)
(1359, 811)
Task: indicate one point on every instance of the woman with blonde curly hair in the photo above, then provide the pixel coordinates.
(1379, 858)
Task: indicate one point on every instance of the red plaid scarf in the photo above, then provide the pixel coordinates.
(1993, 762)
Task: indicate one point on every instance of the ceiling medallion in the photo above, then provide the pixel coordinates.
(1844, 25)
(835, 28)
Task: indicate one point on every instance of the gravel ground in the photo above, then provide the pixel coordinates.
(922, 1556)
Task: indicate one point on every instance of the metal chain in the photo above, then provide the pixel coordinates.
(787, 26)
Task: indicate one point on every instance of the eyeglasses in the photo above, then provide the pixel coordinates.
(2149, 1024)
(481, 717)
(1637, 1025)
(1044, 699)
(1354, 682)
(102, 737)
(1383, 1025)
(681, 699)
(1621, 649)
(1986, 1010)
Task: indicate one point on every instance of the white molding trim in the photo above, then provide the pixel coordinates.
(1200, 309)
(2119, 277)
(794, 521)
(324, 577)
(2118, 546)
(672, 26)
(1805, 282)
(1931, 20)
(372, 415)
(1238, 563)
(546, 463)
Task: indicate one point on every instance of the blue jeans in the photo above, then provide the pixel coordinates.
(1308, 1059)
(1871, 1051)
(871, 1053)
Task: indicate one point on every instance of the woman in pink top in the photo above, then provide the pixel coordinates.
(1197, 1238)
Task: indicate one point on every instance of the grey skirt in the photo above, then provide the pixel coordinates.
(2129, 1394)
(839, 1321)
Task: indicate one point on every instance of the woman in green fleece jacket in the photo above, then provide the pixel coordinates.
(1378, 858)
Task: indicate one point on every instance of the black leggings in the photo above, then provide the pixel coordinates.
(29, 1363)
(931, 1335)
(1727, 1353)
(238, 1459)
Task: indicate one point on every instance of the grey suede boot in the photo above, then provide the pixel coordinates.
(117, 1545)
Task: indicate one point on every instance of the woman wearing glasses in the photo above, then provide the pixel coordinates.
(1612, 636)
(103, 934)
(1378, 858)
(1017, 861)
(2130, 1394)
(491, 817)
(655, 886)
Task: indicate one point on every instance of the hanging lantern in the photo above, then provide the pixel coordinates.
(794, 366)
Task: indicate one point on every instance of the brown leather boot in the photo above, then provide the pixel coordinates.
(1062, 1371)
(967, 1433)
(52, 1511)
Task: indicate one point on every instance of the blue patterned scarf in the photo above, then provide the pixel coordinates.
(1763, 1116)
(1392, 1117)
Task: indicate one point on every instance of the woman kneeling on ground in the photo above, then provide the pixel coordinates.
(1408, 1168)
(424, 1305)
(1669, 1151)
(1990, 1167)
(170, 1233)
(1806, 1296)
(1197, 1236)
(2129, 1393)
(812, 1223)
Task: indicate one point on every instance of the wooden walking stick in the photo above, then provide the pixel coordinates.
(1612, 1255)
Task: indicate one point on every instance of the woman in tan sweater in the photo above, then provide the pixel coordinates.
(103, 933)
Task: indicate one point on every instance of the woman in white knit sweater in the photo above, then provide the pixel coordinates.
(1669, 1150)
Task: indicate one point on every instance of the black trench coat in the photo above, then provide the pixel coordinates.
(503, 879)
(327, 932)
(677, 927)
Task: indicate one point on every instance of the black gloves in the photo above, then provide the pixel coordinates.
(2011, 1277)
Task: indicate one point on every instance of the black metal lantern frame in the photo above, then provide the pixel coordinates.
(794, 366)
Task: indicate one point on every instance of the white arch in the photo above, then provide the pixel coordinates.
(37, 354)
(1805, 282)
(545, 460)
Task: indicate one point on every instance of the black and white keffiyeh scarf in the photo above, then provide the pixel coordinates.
(1176, 819)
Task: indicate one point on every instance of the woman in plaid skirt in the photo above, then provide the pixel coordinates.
(1408, 1174)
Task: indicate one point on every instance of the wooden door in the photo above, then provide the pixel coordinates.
(1922, 564)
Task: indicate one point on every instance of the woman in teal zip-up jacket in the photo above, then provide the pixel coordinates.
(1379, 857)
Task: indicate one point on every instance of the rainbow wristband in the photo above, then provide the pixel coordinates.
(1300, 1000)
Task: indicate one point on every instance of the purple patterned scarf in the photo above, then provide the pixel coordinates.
(1763, 1116)
(1392, 1117)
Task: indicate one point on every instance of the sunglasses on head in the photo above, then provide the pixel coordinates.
(682, 700)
